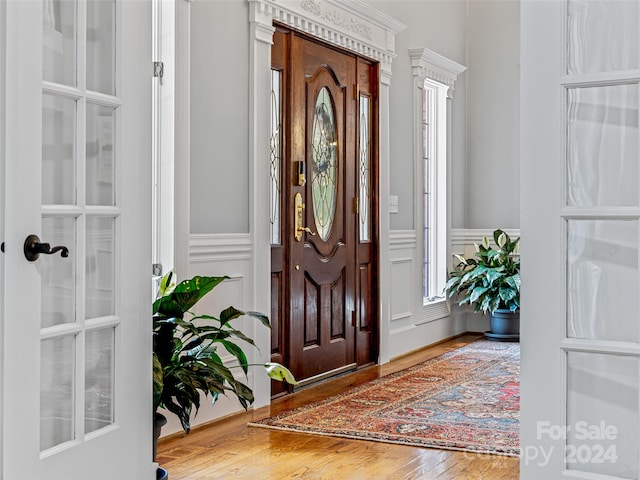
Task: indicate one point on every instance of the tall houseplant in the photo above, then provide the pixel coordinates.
(491, 283)
(188, 350)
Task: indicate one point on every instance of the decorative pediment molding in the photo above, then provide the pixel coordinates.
(428, 64)
(349, 24)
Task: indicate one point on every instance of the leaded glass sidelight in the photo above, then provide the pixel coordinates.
(364, 169)
(275, 154)
(324, 174)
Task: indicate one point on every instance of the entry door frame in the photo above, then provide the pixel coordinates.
(350, 25)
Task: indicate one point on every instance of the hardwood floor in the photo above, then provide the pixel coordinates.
(228, 449)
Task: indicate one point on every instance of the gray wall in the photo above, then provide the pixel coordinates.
(493, 113)
(440, 26)
(481, 34)
(219, 116)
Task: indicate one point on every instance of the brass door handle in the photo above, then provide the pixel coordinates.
(306, 229)
(298, 228)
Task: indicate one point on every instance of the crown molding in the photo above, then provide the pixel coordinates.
(350, 24)
(428, 64)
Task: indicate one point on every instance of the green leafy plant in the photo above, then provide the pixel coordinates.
(188, 350)
(491, 280)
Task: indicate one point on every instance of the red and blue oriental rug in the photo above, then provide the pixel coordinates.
(467, 399)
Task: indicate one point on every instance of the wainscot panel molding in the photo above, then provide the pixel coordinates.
(412, 324)
(230, 255)
(401, 291)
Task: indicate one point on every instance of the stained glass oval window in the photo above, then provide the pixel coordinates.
(324, 151)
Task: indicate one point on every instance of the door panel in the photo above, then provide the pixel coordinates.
(76, 171)
(579, 143)
(324, 275)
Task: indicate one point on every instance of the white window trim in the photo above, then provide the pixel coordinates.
(434, 72)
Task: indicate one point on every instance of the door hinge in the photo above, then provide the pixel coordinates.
(354, 318)
(158, 69)
(356, 205)
(156, 270)
(356, 91)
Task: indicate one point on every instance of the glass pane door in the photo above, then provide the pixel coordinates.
(79, 312)
(601, 228)
(76, 345)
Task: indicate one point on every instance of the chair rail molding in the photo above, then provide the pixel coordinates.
(462, 239)
(216, 247)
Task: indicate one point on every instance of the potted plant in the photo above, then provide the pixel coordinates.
(188, 351)
(491, 283)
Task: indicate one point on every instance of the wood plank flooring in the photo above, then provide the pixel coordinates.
(228, 449)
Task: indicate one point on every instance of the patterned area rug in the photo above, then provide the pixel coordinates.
(466, 399)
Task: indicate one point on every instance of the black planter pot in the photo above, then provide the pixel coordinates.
(162, 474)
(159, 421)
(505, 326)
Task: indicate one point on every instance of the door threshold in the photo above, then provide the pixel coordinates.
(323, 376)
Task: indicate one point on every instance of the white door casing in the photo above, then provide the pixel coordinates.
(53, 360)
(580, 215)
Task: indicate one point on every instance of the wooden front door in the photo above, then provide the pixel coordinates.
(325, 263)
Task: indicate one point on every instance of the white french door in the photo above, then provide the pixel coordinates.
(580, 228)
(76, 344)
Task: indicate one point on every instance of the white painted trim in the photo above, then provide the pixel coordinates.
(401, 316)
(462, 237)
(428, 64)
(427, 67)
(182, 146)
(349, 24)
(401, 239)
(433, 311)
(261, 38)
(215, 247)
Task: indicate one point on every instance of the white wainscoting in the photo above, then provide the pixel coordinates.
(223, 255)
(411, 324)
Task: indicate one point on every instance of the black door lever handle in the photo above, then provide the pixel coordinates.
(33, 248)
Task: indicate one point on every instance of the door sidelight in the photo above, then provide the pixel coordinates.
(33, 248)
